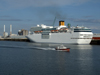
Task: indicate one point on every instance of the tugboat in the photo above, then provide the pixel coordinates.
(63, 48)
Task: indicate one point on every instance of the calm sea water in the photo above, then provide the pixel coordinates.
(25, 58)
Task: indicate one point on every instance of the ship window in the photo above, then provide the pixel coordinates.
(45, 36)
(81, 34)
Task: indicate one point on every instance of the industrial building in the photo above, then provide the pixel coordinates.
(23, 32)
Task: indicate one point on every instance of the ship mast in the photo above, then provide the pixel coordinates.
(54, 22)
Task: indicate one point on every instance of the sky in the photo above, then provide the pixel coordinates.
(24, 14)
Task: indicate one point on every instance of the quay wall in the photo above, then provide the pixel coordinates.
(93, 42)
(14, 39)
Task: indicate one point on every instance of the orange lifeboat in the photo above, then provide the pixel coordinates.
(54, 30)
(38, 31)
(61, 30)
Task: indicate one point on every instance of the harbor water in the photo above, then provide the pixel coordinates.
(26, 58)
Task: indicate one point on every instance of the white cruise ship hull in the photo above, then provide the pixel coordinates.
(66, 38)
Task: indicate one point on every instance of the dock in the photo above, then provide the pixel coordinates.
(14, 39)
(93, 42)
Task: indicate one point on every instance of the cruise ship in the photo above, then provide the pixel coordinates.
(60, 34)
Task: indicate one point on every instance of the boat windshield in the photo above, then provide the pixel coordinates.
(62, 46)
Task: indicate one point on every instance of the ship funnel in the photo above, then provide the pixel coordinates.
(61, 23)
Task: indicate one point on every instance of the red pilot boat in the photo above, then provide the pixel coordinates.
(63, 48)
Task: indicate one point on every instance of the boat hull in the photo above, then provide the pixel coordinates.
(96, 37)
(67, 49)
(64, 38)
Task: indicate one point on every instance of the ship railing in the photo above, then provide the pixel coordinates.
(55, 31)
(96, 34)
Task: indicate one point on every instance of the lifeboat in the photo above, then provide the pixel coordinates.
(63, 48)
(65, 28)
(61, 30)
(54, 31)
(41, 31)
(38, 31)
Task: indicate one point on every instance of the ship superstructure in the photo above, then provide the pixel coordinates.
(60, 34)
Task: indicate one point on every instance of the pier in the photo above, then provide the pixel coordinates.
(93, 42)
(14, 39)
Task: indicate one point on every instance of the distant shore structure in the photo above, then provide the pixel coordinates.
(4, 32)
(23, 32)
(10, 29)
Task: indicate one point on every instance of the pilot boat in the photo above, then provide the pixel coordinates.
(63, 48)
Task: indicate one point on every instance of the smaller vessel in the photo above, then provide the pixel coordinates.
(63, 48)
(96, 36)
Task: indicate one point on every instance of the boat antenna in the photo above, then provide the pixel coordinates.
(54, 22)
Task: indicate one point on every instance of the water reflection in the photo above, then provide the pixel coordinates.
(84, 58)
(55, 45)
(84, 47)
(79, 59)
(43, 44)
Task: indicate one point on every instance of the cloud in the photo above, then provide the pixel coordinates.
(38, 3)
(87, 16)
(85, 20)
(16, 20)
(5, 16)
(95, 27)
(10, 20)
